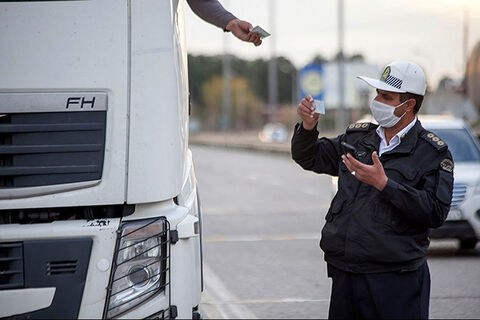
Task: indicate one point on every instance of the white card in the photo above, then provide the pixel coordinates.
(319, 106)
(263, 33)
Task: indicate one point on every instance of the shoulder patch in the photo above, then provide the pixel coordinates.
(447, 165)
(435, 141)
(361, 126)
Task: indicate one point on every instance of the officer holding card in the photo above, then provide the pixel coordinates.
(395, 182)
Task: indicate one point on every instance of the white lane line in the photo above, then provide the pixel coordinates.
(210, 310)
(253, 238)
(279, 300)
(278, 183)
(223, 298)
(311, 192)
(453, 297)
(217, 211)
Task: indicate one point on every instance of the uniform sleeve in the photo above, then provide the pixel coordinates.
(212, 12)
(427, 206)
(318, 155)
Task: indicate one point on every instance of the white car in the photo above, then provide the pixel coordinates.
(273, 133)
(463, 220)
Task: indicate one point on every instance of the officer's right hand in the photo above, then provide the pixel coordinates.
(305, 111)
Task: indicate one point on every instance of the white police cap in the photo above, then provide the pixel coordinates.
(400, 76)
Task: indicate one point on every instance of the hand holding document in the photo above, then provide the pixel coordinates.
(319, 106)
(263, 34)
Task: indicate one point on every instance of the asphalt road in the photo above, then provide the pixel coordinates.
(262, 216)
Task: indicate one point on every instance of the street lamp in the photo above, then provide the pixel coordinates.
(292, 71)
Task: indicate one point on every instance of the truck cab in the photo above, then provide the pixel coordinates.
(99, 209)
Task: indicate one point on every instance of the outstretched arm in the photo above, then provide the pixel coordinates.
(213, 12)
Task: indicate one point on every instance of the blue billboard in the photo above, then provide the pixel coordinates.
(310, 81)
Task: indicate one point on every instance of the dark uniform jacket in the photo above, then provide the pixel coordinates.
(367, 230)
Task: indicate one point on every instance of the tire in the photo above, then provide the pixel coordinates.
(468, 243)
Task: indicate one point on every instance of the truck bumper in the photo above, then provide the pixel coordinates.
(92, 257)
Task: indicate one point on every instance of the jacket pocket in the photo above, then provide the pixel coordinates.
(385, 214)
(401, 173)
(336, 207)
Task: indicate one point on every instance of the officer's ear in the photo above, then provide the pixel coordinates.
(411, 103)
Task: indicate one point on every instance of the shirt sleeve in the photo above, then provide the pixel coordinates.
(428, 206)
(212, 12)
(313, 154)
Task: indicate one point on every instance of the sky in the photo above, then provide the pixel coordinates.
(428, 32)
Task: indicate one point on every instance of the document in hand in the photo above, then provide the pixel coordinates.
(262, 32)
(319, 106)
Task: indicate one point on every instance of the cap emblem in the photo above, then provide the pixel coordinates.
(385, 73)
(391, 80)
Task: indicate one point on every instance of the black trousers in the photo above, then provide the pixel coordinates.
(389, 295)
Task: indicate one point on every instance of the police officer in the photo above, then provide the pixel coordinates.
(393, 185)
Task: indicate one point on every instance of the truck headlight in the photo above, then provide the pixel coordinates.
(140, 265)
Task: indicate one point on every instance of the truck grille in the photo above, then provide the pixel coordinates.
(11, 265)
(61, 267)
(459, 191)
(47, 148)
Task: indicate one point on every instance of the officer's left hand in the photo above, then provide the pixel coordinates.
(373, 175)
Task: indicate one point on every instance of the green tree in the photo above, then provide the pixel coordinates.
(202, 68)
(319, 59)
(246, 107)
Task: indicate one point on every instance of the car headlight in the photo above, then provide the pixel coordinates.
(476, 188)
(139, 269)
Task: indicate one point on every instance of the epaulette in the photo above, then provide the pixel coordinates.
(435, 141)
(361, 126)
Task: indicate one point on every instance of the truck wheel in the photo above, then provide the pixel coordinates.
(468, 243)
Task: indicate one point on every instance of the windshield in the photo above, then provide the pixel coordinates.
(460, 143)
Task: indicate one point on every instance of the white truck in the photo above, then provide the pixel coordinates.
(99, 210)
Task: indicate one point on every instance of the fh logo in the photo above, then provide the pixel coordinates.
(81, 102)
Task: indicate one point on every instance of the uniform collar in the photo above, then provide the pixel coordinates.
(399, 135)
(409, 140)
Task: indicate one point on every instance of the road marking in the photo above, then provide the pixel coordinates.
(208, 309)
(253, 238)
(278, 183)
(311, 192)
(222, 299)
(277, 300)
(454, 297)
(244, 212)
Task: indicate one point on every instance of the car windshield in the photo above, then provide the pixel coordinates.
(460, 143)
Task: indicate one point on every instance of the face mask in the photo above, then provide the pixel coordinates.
(383, 113)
